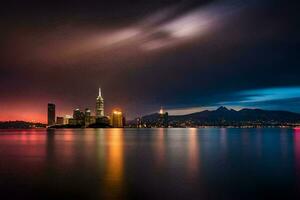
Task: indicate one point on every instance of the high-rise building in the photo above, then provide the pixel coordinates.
(51, 114)
(117, 119)
(78, 116)
(87, 112)
(99, 105)
(87, 117)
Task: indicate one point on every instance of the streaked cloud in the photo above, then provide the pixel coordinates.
(163, 29)
(279, 98)
(270, 94)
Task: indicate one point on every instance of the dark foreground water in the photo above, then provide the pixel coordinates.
(150, 164)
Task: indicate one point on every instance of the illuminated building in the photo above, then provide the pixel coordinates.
(66, 119)
(51, 114)
(161, 111)
(99, 105)
(59, 120)
(87, 117)
(163, 118)
(117, 119)
(78, 116)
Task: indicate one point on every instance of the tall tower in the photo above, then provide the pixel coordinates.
(51, 114)
(99, 105)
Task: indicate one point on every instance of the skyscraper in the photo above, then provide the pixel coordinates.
(99, 105)
(78, 116)
(87, 117)
(51, 114)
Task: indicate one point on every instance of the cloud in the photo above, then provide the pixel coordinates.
(161, 30)
(279, 98)
(270, 94)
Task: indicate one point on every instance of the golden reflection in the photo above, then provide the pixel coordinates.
(114, 164)
(193, 152)
(89, 144)
(100, 145)
(68, 136)
(160, 147)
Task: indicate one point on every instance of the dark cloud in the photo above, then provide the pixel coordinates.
(144, 54)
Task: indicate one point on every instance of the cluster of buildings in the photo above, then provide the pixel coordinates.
(157, 120)
(85, 118)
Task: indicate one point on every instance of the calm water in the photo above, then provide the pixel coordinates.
(150, 163)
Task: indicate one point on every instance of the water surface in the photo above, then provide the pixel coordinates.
(150, 163)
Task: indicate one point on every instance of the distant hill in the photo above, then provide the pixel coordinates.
(20, 125)
(228, 117)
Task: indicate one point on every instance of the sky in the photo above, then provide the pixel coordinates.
(186, 56)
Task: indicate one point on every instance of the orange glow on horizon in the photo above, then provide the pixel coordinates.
(30, 111)
(24, 116)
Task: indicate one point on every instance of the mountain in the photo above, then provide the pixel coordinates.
(227, 117)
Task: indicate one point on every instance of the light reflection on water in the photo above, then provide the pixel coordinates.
(151, 163)
(114, 164)
(297, 155)
(193, 165)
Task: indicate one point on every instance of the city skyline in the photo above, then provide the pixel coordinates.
(87, 118)
(150, 99)
(186, 56)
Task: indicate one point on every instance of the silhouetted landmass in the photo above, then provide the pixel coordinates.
(227, 117)
(99, 125)
(66, 126)
(96, 125)
(20, 125)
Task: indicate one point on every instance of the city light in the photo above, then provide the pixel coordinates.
(117, 112)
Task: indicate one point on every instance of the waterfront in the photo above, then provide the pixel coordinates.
(211, 163)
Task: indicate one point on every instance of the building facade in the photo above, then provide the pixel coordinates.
(87, 117)
(117, 119)
(78, 116)
(67, 118)
(51, 114)
(59, 120)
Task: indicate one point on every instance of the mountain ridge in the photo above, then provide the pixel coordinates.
(225, 116)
